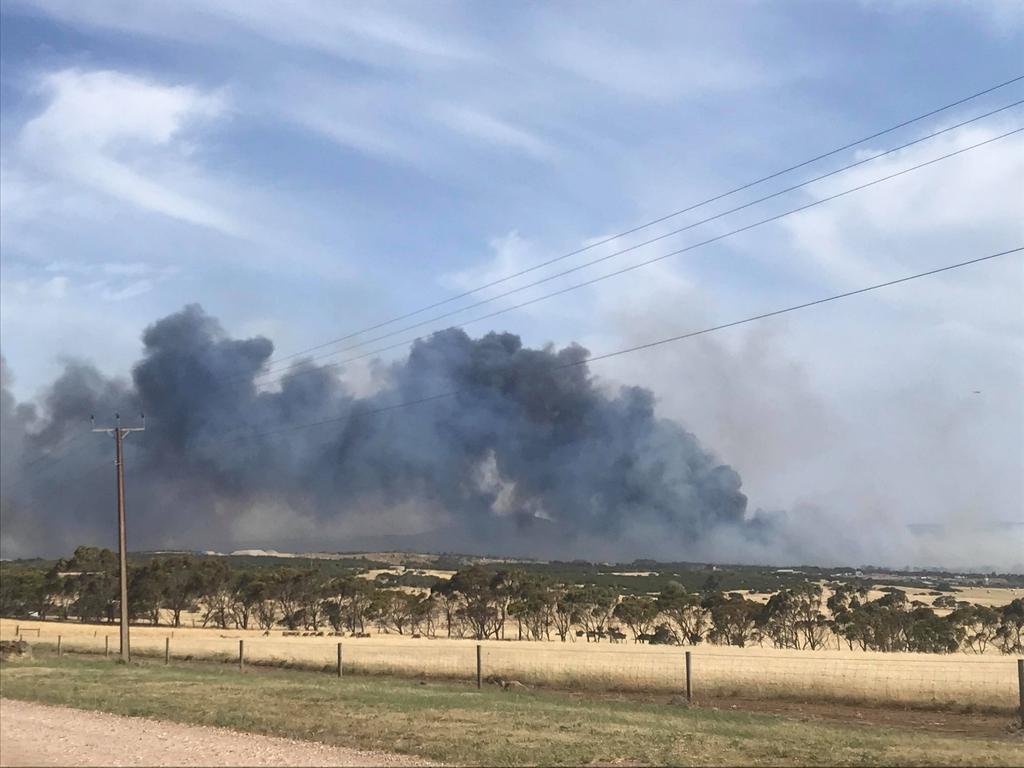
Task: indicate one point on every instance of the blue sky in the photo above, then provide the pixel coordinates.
(306, 169)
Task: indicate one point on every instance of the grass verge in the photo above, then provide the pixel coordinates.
(459, 725)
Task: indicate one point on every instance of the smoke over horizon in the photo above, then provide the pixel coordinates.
(528, 458)
(521, 453)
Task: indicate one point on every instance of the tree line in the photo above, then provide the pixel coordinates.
(481, 603)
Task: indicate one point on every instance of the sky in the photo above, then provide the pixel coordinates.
(303, 171)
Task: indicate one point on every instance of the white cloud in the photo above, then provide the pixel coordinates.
(865, 407)
(633, 111)
(1000, 17)
(116, 134)
(510, 254)
(856, 411)
(661, 57)
(362, 32)
(101, 108)
(400, 71)
(85, 282)
(361, 116)
(962, 208)
(492, 130)
(356, 31)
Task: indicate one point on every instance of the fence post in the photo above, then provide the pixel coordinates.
(241, 655)
(339, 659)
(17, 630)
(58, 645)
(689, 678)
(106, 645)
(1020, 687)
(479, 668)
(167, 650)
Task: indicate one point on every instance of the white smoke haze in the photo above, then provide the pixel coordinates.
(904, 466)
(886, 431)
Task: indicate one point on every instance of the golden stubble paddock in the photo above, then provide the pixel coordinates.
(960, 680)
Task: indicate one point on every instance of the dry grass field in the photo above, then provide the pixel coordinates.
(990, 596)
(454, 724)
(963, 681)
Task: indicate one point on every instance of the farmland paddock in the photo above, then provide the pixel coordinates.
(965, 682)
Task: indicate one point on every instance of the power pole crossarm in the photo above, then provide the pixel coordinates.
(119, 433)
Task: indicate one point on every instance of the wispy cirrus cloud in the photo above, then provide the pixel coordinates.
(309, 169)
(123, 136)
(493, 130)
(369, 33)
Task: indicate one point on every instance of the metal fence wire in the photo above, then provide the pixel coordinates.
(984, 681)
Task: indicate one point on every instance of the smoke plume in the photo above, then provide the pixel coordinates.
(528, 456)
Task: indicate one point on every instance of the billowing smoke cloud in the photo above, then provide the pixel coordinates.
(530, 456)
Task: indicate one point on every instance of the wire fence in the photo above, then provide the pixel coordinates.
(979, 682)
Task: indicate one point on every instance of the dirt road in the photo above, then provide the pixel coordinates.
(35, 734)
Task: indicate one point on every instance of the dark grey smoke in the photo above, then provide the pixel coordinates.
(524, 459)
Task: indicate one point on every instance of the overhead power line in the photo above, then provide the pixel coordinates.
(51, 459)
(360, 413)
(805, 305)
(600, 278)
(650, 241)
(623, 270)
(652, 222)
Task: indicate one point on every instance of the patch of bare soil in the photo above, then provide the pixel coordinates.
(939, 721)
(37, 734)
(981, 724)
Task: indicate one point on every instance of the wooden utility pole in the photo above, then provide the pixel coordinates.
(479, 667)
(689, 672)
(1020, 688)
(119, 433)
